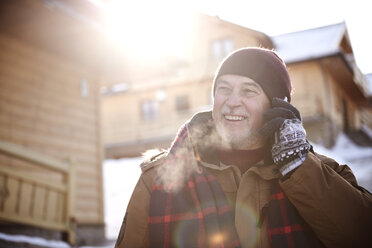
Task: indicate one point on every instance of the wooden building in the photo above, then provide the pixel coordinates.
(50, 137)
(329, 89)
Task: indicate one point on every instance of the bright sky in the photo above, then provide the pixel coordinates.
(272, 17)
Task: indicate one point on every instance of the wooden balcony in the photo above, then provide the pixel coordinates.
(36, 199)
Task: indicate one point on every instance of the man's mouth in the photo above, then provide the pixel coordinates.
(234, 117)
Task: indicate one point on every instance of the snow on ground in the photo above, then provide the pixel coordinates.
(119, 179)
(33, 241)
(12, 240)
(358, 158)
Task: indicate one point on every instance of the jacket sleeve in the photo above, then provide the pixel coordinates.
(134, 231)
(327, 196)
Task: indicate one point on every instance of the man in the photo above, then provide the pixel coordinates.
(244, 175)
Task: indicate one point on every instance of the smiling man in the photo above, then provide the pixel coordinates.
(237, 111)
(244, 174)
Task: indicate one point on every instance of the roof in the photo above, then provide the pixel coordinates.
(309, 44)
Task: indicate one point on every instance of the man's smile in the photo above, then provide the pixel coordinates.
(234, 117)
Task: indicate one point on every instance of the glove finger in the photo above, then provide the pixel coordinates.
(272, 126)
(278, 112)
(277, 102)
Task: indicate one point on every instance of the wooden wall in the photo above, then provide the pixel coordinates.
(121, 113)
(320, 98)
(41, 108)
(305, 78)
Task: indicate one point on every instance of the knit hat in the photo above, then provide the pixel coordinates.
(263, 66)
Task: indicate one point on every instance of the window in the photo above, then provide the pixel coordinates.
(149, 110)
(222, 47)
(182, 103)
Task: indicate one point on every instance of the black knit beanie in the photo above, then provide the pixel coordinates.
(263, 66)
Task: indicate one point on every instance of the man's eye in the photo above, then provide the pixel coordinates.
(248, 91)
(223, 88)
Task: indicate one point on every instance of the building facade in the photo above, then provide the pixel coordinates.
(50, 131)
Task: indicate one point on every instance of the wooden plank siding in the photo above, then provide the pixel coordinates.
(305, 78)
(126, 124)
(41, 108)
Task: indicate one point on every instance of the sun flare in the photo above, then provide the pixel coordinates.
(152, 28)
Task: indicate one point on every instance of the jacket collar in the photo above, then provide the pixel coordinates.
(205, 140)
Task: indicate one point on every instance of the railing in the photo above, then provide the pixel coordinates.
(30, 199)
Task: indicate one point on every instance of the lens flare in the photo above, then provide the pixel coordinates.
(247, 224)
(217, 239)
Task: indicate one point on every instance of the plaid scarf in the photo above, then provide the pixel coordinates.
(286, 228)
(197, 214)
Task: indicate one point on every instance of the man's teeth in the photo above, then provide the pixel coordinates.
(234, 118)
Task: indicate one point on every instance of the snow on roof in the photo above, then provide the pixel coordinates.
(309, 44)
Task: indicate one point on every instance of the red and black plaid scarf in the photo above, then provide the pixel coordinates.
(198, 214)
(195, 215)
(286, 228)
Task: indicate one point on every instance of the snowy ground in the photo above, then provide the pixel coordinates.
(359, 159)
(120, 177)
(33, 241)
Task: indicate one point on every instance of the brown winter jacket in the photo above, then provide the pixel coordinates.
(325, 193)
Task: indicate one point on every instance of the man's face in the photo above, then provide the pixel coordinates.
(239, 104)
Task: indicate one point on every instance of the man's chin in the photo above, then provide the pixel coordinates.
(250, 141)
(238, 140)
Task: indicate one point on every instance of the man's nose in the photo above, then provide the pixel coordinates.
(234, 100)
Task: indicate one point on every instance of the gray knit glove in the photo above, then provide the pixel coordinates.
(288, 136)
